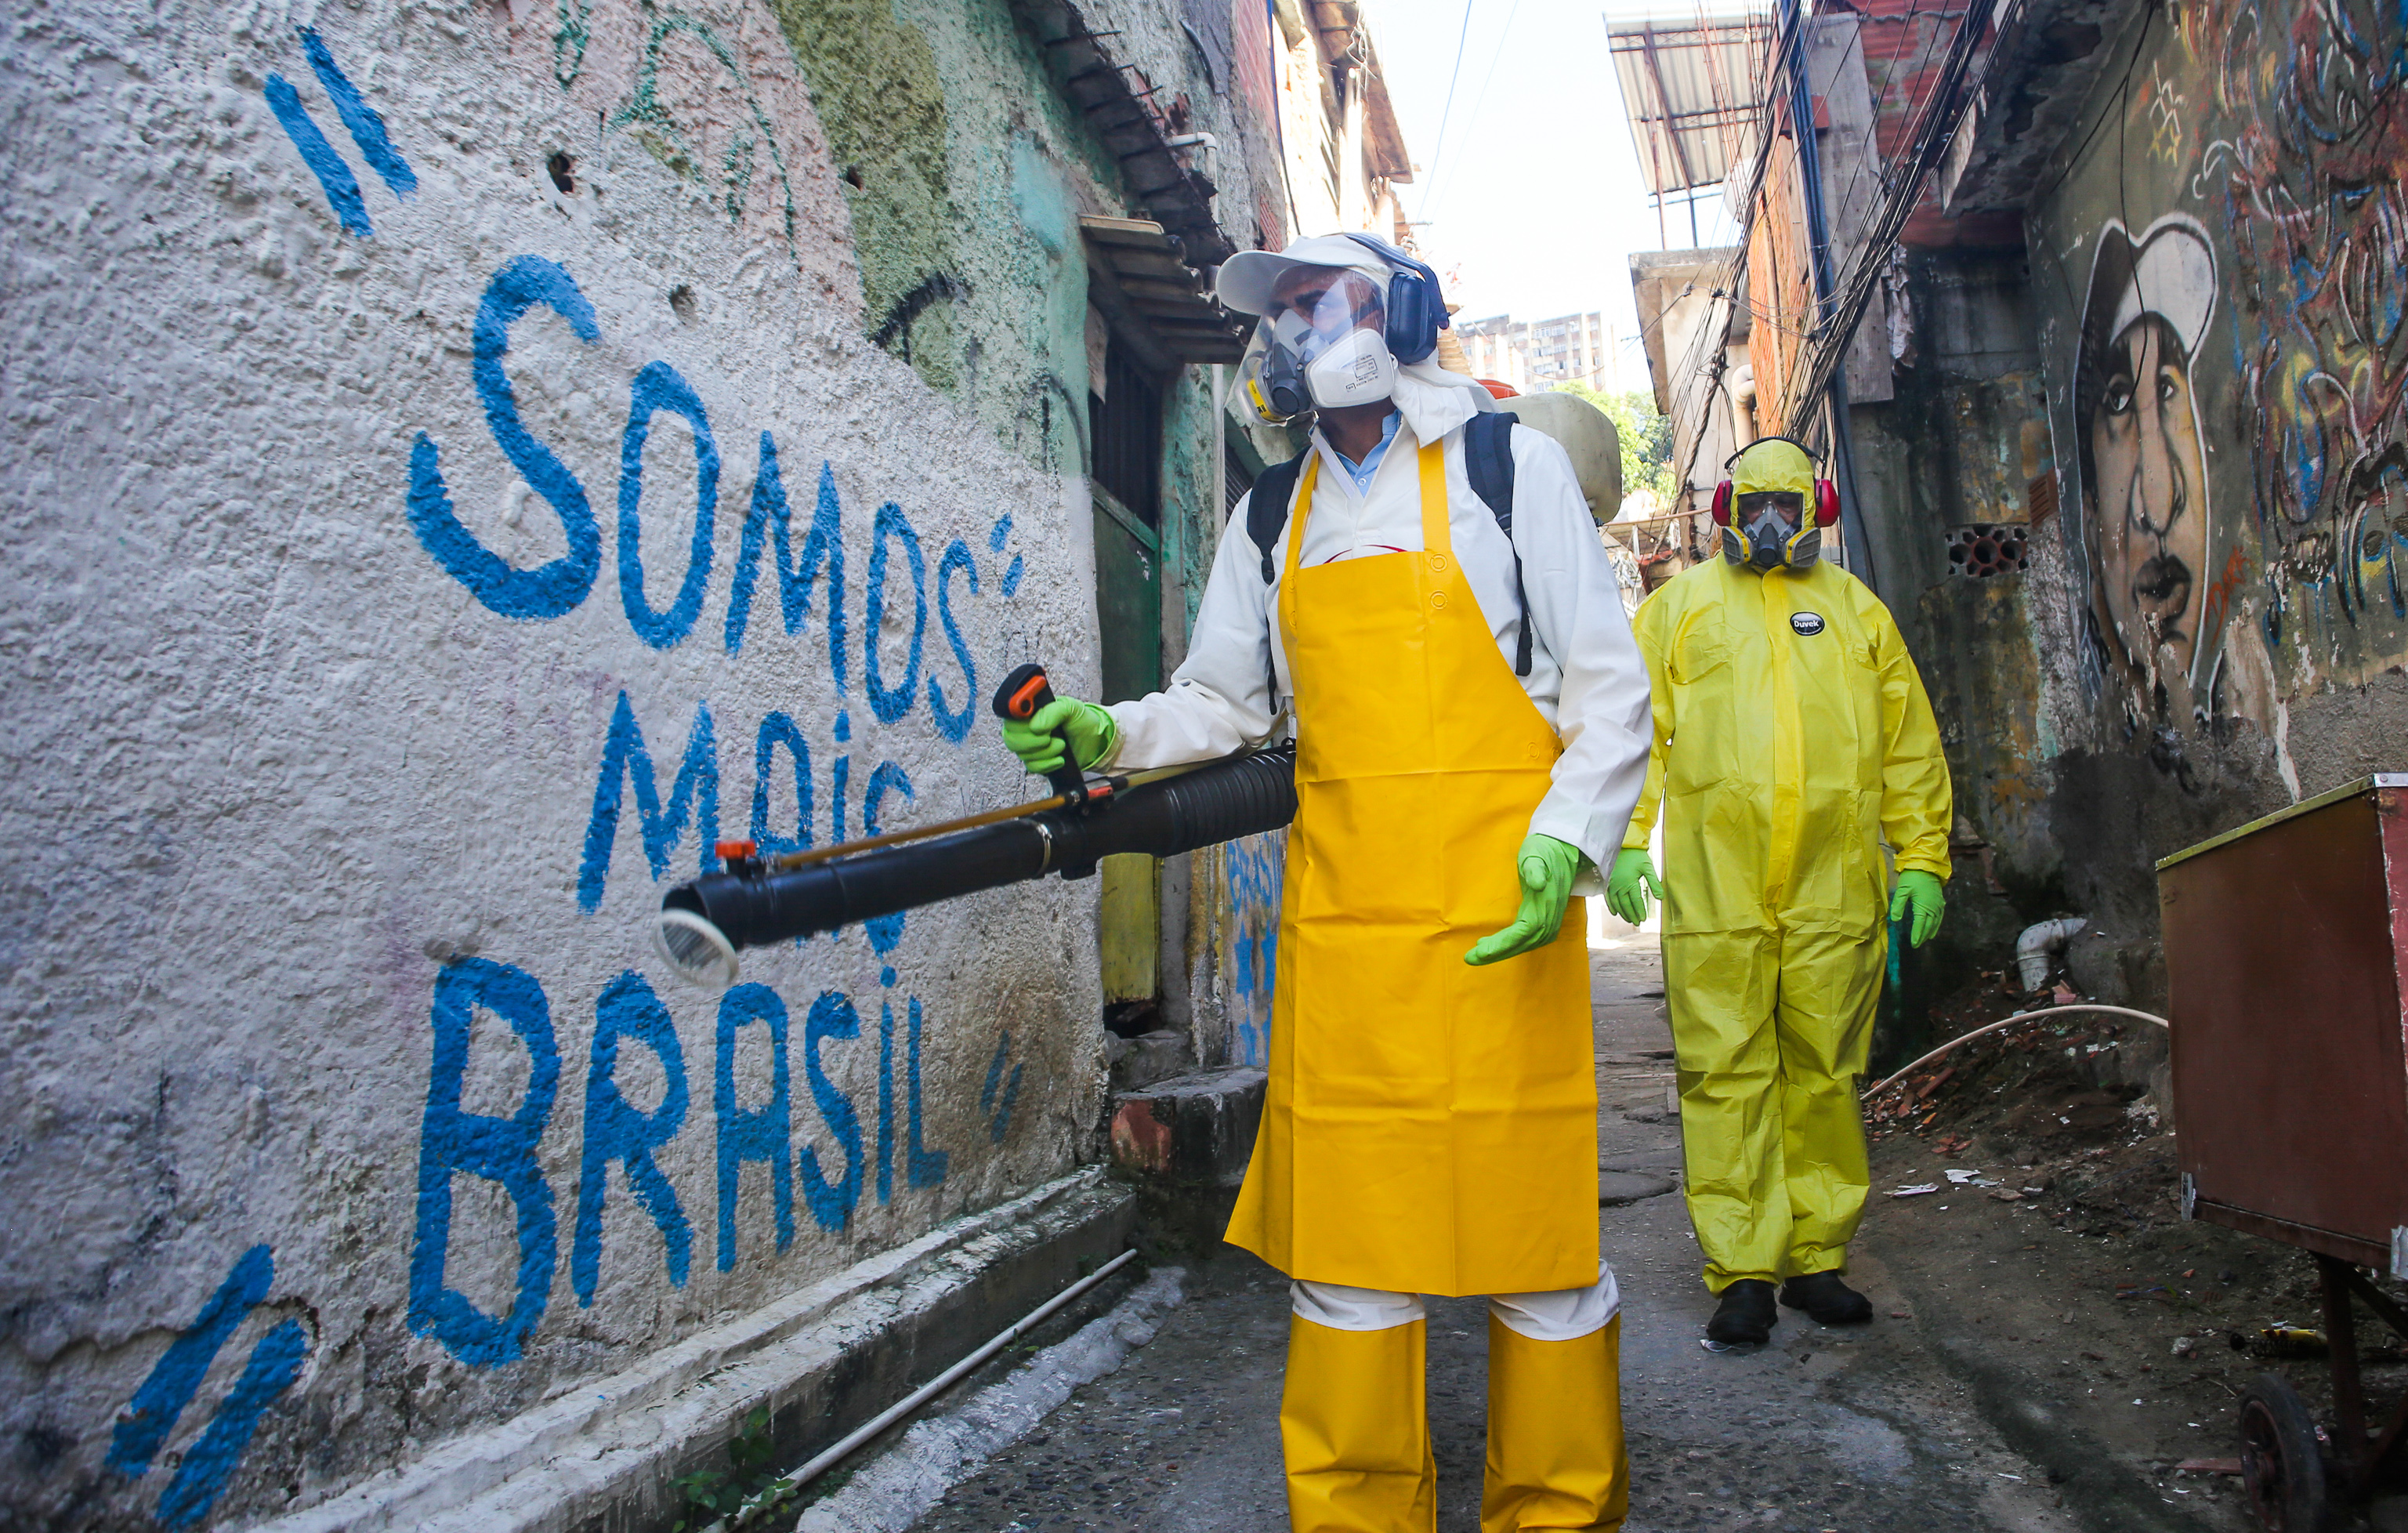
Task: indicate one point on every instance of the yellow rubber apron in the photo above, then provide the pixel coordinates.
(1430, 1128)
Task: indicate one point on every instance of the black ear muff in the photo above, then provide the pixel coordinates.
(1415, 308)
(1723, 498)
(1827, 503)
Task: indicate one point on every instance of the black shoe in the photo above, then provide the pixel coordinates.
(1826, 1299)
(1745, 1316)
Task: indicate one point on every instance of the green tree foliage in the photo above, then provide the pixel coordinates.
(1646, 439)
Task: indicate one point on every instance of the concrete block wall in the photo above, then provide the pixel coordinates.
(460, 461)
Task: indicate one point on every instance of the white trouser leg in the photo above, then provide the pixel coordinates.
(1343, 1308)
(1562, 1314)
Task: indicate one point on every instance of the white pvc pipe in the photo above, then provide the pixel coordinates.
(2009, 1022)
(937, 1385)
(2040, 939)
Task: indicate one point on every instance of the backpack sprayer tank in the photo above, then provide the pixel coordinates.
(703, 925)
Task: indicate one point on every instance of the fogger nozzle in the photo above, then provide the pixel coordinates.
(703, 925)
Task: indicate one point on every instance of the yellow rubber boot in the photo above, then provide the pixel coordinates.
(1354, 1432)
(1555, 1454)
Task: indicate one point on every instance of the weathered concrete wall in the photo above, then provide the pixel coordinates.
(1941, 459)
(461, 462)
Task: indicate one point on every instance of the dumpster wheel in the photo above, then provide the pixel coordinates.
(2282, 1458)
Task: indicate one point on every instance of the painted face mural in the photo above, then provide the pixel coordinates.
(2146, 528)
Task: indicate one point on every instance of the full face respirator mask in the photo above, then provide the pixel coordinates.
(1327, 349)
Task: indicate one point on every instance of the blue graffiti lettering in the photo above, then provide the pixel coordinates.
(525, 594)
(334, 178)
(926, 1168)
(832, 1016)
(500, 1150)
(211, 1461)
(779, 730)
(885, 931)
(955, 726)
(694, 795)
(886, 1100)
(999, 1118)
(1010, 586)
(658, 387)
(359, 119)
(177, 1376)
(823, 548)
(763, 1133)
(614, 1130)
(999, 533)
(892, 704)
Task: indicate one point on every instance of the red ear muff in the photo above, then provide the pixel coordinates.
(1827, 503)
(1723, 504)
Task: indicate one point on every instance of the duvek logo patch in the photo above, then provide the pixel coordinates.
(1809, 623)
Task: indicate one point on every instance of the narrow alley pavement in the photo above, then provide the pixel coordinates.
(1822, 1430)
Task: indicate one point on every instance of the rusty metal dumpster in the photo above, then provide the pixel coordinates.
(2287, 958)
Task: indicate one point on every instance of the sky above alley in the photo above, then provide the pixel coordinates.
(1529, 191)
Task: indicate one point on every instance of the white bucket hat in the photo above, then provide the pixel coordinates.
(1247, 278)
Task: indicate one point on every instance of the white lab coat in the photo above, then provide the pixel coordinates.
(1586, 677)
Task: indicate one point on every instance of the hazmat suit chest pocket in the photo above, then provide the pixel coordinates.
(1708, 666)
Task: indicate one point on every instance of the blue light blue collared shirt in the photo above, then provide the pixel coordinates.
(1361, 472)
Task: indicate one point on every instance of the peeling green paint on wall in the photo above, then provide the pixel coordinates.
(874, 81)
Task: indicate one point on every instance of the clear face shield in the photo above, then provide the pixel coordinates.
(1322, 344)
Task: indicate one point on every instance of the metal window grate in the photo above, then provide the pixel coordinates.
(1126, 427)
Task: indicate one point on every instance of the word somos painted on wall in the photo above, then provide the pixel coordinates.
(554, 589)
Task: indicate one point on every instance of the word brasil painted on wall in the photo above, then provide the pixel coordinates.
(503, 1150)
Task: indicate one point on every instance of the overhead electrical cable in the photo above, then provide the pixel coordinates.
(1437, 145)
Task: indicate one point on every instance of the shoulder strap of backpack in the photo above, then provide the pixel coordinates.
(1488, 463)
(1267, 512)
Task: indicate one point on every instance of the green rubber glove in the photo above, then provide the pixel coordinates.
(1920, 893)
(1085, 731)
(1631, 881)
(1546, 868)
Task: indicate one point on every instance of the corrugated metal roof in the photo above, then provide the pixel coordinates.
(1689, 82)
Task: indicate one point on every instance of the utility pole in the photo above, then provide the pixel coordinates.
(1857, 550)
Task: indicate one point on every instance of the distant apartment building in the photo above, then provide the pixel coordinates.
(1568, 348)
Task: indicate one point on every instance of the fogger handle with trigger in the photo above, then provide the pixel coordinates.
(1023, 693)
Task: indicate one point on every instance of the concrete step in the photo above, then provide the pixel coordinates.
(1185, 1143)
(600, 1458)
(1195, 1129)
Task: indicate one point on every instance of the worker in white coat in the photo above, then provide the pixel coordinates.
(1471, 722)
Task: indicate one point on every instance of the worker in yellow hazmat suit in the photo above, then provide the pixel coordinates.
(1792, 740)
